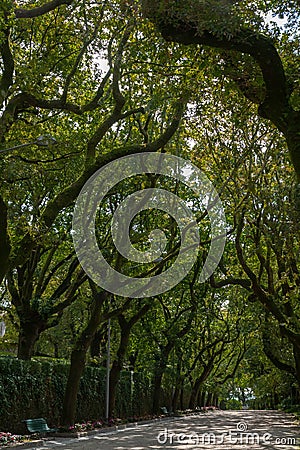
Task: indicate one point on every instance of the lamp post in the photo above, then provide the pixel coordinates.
(2, 328)
(42, 141)
(107, 371)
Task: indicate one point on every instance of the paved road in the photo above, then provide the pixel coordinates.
(220, 430)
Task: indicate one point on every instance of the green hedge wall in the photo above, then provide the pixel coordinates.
(30, 389)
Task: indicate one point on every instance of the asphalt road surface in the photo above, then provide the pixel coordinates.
(219, 430)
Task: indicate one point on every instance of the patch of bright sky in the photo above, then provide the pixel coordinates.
(276, 19)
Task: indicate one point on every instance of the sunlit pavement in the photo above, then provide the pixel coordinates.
(213, 430)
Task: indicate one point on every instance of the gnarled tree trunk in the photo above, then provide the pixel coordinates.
(78, 360)
(29, 334)
(126, 327)
(159, 371)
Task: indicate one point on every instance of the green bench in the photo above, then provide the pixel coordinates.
(39, 426)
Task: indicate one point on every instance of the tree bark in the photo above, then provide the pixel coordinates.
(22, 13)
(175, 398)
(159, 371)
(209, 399)
(296, 352)
(198, 383)
(202, 399)
(114, 377)
(78, 360)
(182, 398)
(29, 334)
(194, 393)
(178, 383)
(215, 400)
(117, 366)
(157, 389)
(77, 366)
(95, 348)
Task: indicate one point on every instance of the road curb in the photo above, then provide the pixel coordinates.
(113, 429)
(24, 445)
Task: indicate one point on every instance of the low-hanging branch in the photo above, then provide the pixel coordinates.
(22, 13)
(180, 25)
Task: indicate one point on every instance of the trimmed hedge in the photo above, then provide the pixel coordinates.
(30, 389)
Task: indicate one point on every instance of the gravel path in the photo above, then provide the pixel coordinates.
(219, 430)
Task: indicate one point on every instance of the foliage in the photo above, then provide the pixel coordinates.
(98, 78)
(35, 388)
(293, 409)
(233, 403)
(219, 17)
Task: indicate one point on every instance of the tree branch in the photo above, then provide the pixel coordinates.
(276, 101)
(267, 346)
(22, 13)
(65, 284)
(230, 281)
(67, 197)
(76, 65)
(265, 299)
(119, 99)
(90, 106)
(9, 66)
(70, 295)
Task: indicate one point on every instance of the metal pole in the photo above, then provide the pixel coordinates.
(16, 146)
(42, 141)
(107, 371)
(2, 328)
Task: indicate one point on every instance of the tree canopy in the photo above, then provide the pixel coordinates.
(83, 83)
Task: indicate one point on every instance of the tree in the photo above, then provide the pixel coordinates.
(234, 28)
(78, 358)
(256, 179)
(52, 84)
(40, 97)
(91, 110)
(266, 243)
(126, 325)
(39, 309)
